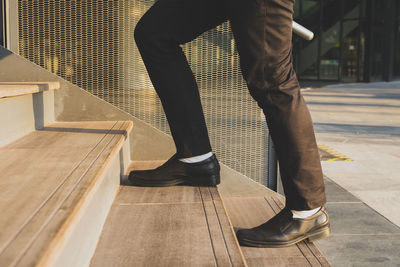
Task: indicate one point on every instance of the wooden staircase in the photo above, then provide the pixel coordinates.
(57, 182)
(62, 204)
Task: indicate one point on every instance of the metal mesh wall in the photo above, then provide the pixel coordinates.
(90, 43)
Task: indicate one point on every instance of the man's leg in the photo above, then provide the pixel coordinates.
(159, 34)
(263, 31)
(263, 34)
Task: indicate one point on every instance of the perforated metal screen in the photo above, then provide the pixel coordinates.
(90, 43)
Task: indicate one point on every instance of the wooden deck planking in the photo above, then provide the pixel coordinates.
(250, 212)
(92, 138)
(168, 230)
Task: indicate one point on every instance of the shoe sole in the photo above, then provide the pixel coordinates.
(318, 234)
(209, 181)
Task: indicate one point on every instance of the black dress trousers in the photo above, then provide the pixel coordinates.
(263, 33)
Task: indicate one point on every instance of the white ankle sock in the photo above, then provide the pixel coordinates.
(197, 158)
(303, 214)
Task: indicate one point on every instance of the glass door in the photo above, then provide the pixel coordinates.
(336, 52)
(396, 71)
(353, 43)
(2, 23)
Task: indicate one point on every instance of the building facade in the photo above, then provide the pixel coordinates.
(355, 40)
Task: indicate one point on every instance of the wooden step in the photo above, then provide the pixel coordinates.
(25, 107)
(12, 89)
(165, 226)
(170, 226)
(56, 187)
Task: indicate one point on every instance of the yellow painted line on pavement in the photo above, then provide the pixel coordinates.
(336, 155)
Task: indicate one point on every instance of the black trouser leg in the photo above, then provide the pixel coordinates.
(263, 33)
(159, 33)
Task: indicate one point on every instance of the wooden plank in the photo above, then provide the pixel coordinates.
(226, 247)
(69, 214)
(155, 235)
(47, 244)
(27, 184)
(309, 252)
(176, 194)
(38, 222)
(61, 138)
(10, 89)
(251, 212)
(72, 135)
(79, 241)
(168, 230)
(75, 228)
(205, 194)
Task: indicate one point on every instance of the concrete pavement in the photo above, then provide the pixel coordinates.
(361, 121)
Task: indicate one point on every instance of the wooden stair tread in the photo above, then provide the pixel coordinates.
(248, 212)
(172, 226)
(10, 89)
(44, 176)
(245, 208)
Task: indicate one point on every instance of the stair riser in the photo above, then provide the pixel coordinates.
(23, 114)
(78, 243)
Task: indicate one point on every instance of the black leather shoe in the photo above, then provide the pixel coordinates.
(283, 230)
(175, 172)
